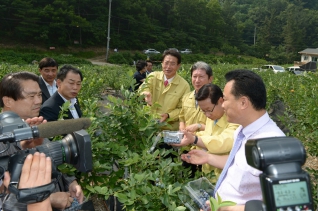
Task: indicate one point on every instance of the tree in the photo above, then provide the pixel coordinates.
(27, 19)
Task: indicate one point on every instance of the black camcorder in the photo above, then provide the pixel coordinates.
(285, 186)
(74, 149)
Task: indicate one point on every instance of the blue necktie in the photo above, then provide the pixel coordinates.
(238, 142)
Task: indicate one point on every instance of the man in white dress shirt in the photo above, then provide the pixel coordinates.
(48, 68)
(244, 104)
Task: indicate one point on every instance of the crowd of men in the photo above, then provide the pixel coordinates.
(233, 116)
(38, 100)
(216, 124)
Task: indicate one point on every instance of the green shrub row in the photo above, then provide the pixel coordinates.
(14, 57)
(128, 58)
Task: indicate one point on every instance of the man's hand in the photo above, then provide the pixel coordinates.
(196, 156)
(192, 128)
(35, 121)
(164, 117)
(182, 126)
(76, 191)
(36, 171)
(61, 200)
(188, 138)
(148, 98)
(28, 144)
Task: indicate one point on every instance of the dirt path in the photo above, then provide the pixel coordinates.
(100, 61)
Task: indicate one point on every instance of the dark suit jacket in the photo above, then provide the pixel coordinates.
(51, 108)
(45, 92)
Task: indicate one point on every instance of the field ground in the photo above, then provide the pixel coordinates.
(99, 60)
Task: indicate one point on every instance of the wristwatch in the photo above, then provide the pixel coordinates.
(195, 140)
(199, 126)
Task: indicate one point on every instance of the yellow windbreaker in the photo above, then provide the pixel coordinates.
(218, 138)
(170, 97)
(190, 113)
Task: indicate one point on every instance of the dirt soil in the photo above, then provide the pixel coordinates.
(100, 60)
(311, 162)
(99, 203)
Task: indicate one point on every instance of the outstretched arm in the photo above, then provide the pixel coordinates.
(199, 157)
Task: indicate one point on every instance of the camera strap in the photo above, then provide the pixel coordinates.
(36, 194)
(33, 195)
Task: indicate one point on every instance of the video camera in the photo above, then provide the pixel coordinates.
(74, 149)
(285, 186)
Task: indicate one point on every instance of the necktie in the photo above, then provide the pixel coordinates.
(237, 144)
(166, 82)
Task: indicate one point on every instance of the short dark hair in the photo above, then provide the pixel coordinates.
(66, 69)
(249, 84)
(202, 66)
(171, 52)
(48, 62)
(211, 91)
(140, 64)
(148, 60)
(10, 85)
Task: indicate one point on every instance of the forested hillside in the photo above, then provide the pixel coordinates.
(262, 28)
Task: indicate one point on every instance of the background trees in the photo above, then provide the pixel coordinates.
(256, 27)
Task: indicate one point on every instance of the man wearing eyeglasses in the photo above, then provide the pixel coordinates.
(218, 136)
(167, 89)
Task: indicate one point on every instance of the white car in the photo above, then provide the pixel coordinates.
(151, 51)
(274, 68)
(296, 70)
(186, 51)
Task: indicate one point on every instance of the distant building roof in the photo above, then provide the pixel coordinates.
(309, 51)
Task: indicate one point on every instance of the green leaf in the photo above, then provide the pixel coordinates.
(213, 204)
(144, 200)
(218, 198)
(139, 177)
(90, 188)
(121, 197)
(227, 203)
(180, 208)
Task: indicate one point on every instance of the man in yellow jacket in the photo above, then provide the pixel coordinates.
(167, 89)
(190, 118)
(218, 136)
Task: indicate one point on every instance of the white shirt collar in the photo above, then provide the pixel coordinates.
(47, 84)
(73, 100)
(169, 80)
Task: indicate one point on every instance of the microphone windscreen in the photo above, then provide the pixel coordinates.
(62, 127)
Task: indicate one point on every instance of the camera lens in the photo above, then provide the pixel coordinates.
(63, 151)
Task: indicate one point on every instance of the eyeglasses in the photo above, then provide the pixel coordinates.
(208, 112)
(171, 64)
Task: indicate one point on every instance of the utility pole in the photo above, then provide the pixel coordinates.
(80, 29)
(108, 34)
(254, 35)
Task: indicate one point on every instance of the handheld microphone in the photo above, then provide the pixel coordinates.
(46, 130)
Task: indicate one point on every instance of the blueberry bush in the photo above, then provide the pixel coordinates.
(124, 129)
